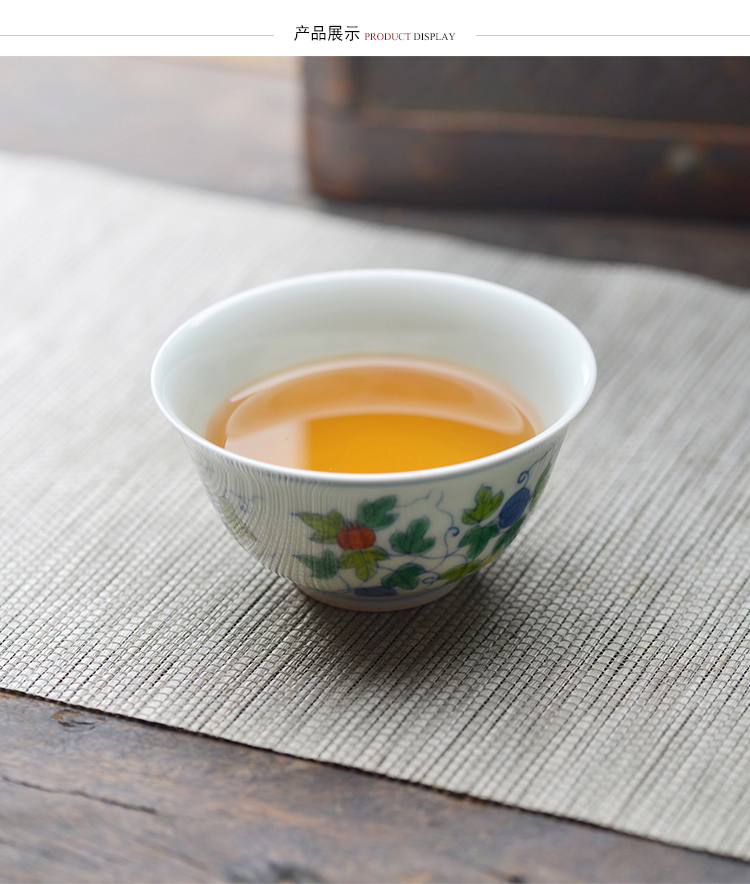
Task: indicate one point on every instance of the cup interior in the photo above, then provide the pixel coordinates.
(453, 318)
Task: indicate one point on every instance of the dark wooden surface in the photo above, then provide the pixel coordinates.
(86, 796)
(665, 135)
(92, 797)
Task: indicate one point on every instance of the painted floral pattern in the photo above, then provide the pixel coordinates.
(408, 543)
(388, 548)
(357, 549)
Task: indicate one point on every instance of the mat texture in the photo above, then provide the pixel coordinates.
(598, 670)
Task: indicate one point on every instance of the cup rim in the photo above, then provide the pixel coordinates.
(392, 478)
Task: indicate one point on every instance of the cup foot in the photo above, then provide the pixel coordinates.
(379, 603)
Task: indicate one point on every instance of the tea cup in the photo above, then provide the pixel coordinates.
(426, 529)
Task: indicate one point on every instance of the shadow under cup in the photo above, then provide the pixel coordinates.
(292, 519)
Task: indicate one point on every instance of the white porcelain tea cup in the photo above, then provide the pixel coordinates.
(427, 529)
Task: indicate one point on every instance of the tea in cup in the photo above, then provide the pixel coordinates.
(372, 414)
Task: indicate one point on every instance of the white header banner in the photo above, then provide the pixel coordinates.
(227, 27)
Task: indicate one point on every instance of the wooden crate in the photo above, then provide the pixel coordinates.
(656, 135)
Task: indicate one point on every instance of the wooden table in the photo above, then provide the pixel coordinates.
(86, 796)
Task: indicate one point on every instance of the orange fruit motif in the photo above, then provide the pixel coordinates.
(355, 536)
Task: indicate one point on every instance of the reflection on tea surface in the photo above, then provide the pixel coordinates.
(373, 414)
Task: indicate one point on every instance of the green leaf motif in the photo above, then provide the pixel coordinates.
(540, 485)
(509, 535)
(364, 561)
(486, 505)
(461, 571)
(325, 527)
(478, 537)
(374, 514)
(405, 577)
(412, 542)
(321, 566)
(233, 520)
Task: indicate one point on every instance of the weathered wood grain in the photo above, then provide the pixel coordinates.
(658, 135)
(91, 797)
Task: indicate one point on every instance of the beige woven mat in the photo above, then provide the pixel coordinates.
(599, 670)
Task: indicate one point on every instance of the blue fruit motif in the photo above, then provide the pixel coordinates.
(514, 508)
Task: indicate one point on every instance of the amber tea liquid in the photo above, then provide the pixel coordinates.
(372, 414)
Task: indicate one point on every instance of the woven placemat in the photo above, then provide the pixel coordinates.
(598, 670)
